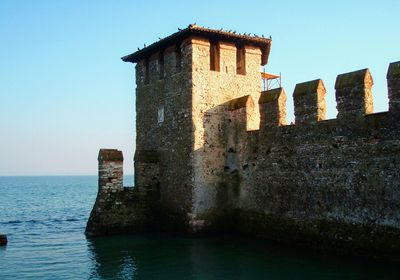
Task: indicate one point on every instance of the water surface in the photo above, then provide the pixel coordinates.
(45, 217)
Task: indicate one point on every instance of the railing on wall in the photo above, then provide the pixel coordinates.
(271, 81)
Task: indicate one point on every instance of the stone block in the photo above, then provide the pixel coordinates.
(309, 102)
(393, 81)
(354, 94)
(272, 104)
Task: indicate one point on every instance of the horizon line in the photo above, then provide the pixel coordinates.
(56, 175)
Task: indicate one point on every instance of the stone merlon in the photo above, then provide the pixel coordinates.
(354, 94)
(309, 102)
(393, 79)
(272, 108)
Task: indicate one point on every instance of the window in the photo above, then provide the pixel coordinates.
(214, 56)
(146, 71)
(160, 118)
(161, 65)
(178, 58)
(240, 60)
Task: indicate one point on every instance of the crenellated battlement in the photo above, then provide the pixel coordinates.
(353, 94)
(335, 180)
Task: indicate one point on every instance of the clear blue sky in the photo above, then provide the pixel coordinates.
(65, 92)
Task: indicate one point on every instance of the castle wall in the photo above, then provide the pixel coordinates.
(213, 152)
(119, 209)
(334, 182)
(164, 142)
(210, 89)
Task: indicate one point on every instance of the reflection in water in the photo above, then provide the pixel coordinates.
(45, 217)
(150, 257)
(166, 257)
(127, 267)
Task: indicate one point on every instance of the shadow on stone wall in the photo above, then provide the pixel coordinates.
(325, 183)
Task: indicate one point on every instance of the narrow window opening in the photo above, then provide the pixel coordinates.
(178, 58)
(161, 65)
(146, 72)
(240, 60)
(160, 117)
(214, 56)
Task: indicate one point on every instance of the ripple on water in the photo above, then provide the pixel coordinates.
(45, 217)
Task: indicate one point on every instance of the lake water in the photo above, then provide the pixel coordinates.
(45, 218)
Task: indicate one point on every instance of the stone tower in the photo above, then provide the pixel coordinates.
(185, 86)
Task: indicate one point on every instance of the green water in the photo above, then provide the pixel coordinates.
(166, 257)
(45, 217)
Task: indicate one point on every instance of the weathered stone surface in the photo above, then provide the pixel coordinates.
(326, 184)
(110, 169)
(3, 239)
(309, 102)
(122, 211)
(164, 142)
(272, 108)
(354, 95)
(202, 164)
(240, 102)
(393, 80)
(118, 209)
(110, 155)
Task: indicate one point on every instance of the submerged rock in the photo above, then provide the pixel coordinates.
(3, 239)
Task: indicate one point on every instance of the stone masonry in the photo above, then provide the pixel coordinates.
(214, 153)
(118, 209)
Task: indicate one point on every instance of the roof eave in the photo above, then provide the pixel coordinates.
(263, 43)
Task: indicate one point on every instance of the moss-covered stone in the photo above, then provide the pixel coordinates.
(146, 156)
(270, 95)
(110, 155)
(353, 79)
(359, 239)
(394, 70)
(308, 87)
